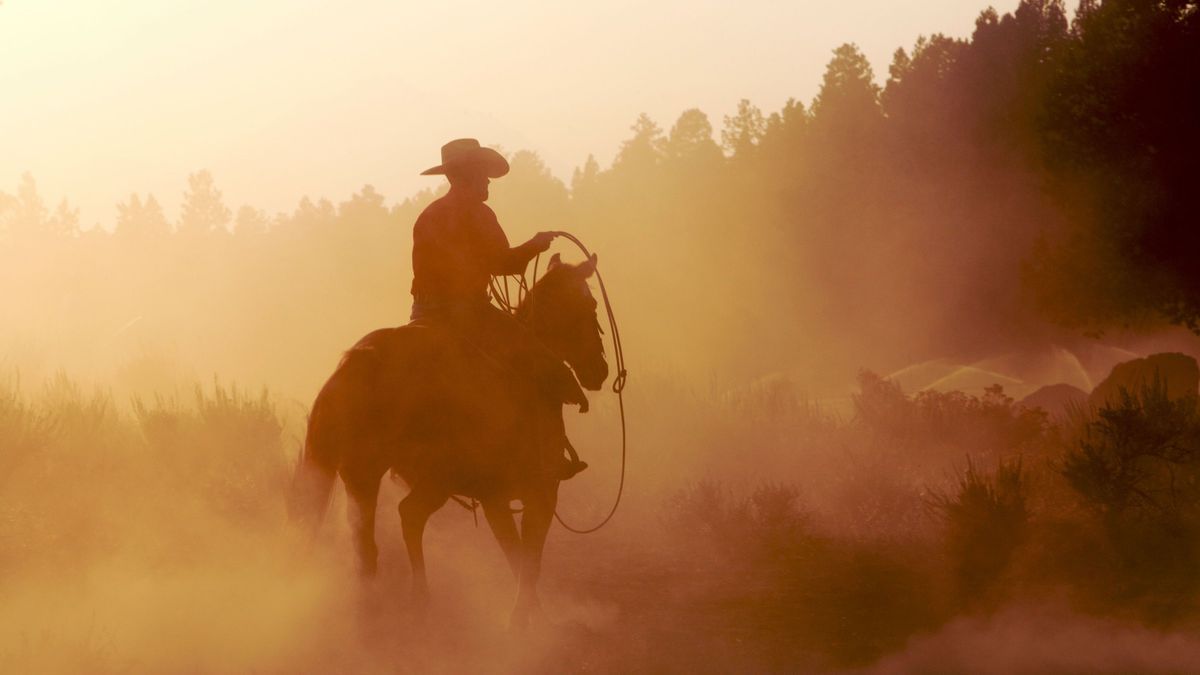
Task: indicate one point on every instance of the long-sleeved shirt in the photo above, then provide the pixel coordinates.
(457, 246)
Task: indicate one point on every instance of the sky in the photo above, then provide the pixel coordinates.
(282, 99)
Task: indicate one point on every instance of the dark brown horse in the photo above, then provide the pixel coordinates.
(450, 419)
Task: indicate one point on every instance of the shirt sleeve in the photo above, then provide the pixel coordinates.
(500, 256)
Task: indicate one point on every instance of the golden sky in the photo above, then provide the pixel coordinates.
(285, 98)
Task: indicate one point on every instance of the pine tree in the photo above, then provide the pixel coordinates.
(203, 211)
(743, 130)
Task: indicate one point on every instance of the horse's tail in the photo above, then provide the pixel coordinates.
(312, 484)
(333, 427)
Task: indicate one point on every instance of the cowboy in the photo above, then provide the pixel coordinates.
(458, 245)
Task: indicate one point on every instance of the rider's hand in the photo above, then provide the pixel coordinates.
(541, 241)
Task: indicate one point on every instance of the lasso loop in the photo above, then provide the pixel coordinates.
(503, 298)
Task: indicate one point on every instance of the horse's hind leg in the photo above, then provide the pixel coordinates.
(364, 493)
(500, 518)
(415, 510)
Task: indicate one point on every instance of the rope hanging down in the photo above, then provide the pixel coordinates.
(505, 299)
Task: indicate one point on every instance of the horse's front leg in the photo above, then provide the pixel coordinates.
(500, 518)
(535, 525)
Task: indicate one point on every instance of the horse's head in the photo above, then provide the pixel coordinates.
(561, 311)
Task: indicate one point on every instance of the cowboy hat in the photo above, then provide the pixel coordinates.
(466, 153)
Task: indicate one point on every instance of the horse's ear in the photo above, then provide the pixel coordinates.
(588, 267)
(555, 261)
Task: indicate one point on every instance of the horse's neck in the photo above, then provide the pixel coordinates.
(525, 313)
(532, 308)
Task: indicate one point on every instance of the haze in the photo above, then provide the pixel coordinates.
(285, 99)
(912, 336)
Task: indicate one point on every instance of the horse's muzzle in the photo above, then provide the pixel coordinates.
(592, 376)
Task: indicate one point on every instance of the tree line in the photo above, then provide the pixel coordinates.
(1032, 180)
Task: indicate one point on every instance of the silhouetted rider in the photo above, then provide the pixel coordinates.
(457, 246)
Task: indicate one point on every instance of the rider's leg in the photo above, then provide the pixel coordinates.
(554, 439)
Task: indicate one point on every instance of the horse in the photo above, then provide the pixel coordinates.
(451, 420)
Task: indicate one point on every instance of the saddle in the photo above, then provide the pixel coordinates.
(569, 463)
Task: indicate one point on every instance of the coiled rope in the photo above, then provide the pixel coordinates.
(503, 297)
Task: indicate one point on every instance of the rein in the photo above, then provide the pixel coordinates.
(504, 298)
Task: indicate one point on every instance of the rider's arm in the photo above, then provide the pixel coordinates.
(517, 258)
(503, 259)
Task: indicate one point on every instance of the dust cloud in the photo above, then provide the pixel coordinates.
(833, 314)
(1046, 639)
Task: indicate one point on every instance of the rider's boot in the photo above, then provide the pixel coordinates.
(567, 387)
(560, 466)
(570, 468)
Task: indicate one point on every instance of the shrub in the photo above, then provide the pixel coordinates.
(24, 429)
(1137, 468)
(768, 523)
(1139, 457)
(229, 444)
(948, 423)
(986, 520)
(876, 496)
(881, 407)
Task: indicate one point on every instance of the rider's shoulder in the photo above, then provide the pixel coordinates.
(445, 209)
(486, 212)
(436, 206)
(433, 212)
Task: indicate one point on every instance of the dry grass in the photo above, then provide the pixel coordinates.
(151, 536)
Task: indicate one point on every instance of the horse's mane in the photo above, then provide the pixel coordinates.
(551, 279)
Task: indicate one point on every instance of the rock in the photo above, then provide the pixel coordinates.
(1179, 371)
(1056, 399)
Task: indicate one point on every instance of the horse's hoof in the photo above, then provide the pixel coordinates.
(525, 615)
(518, 621)
(420, 601)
